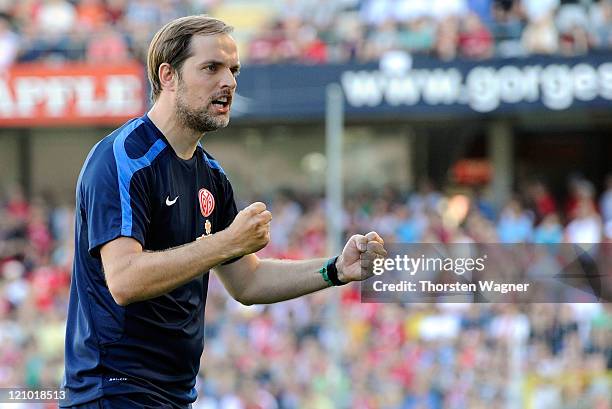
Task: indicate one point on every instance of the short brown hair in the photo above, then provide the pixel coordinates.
(172, 44)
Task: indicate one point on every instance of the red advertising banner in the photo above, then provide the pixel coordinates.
(35, 95)
(472, 171)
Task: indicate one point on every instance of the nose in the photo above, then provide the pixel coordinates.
(228, 80)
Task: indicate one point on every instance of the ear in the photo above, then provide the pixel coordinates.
(167, 77)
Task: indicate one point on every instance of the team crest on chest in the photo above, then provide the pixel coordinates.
(207, 202)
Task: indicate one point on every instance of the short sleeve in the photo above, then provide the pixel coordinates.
(229, 210)
(114, 201)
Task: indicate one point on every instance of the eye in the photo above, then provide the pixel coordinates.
(210, 67)
(236, 73)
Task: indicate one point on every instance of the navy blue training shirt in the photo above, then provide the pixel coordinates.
(133, 184)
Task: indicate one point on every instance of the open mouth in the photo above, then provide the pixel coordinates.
(222, 102)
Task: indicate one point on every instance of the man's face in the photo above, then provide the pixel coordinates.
(207, 83)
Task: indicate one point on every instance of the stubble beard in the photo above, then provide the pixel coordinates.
(198, 120)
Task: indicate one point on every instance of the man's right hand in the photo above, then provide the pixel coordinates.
(250, 230)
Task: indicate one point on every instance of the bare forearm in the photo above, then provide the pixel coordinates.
(280, 280)
(145, 275)
(254, 281)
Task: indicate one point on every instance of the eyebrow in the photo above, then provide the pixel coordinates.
(217, 62)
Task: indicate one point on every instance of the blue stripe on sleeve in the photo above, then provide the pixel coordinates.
(213, 164)
(126, 167)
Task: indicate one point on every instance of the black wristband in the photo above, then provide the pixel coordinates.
(332, 272)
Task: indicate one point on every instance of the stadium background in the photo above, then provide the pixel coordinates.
(505, 102)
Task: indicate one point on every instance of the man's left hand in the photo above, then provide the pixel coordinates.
(357, 259)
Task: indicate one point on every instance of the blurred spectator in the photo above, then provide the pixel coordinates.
(17, 206)
(426, 197)
(541, 200)
(312, 49)
(56, 17)
(16, 288)
(549, 231)
(91, 14)
(601, 18)
(382, 40)
(115, 10)
(38, 234)
(586, 226)
(273, 46)
(417, 35)
(541, 36)
(483, 205)
(447, 38)
(507, 28)
(475, 40)
(350, 39)
(580, 190)
(573, 24)
(515, 226)
(410, 228)
(108, 46)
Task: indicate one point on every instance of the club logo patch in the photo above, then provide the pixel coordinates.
(207, 202)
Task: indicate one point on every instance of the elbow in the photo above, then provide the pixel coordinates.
(120, 293)
(247, 302)
(121, 300)
(244, 298)
(240, 294)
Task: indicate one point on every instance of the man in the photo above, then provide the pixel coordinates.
(154, 214)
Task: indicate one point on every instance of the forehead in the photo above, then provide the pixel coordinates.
(218, 47)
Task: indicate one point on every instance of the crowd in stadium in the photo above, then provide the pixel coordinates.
(314, 352)
(310, 31)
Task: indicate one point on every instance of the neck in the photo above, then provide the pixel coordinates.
(182, 140)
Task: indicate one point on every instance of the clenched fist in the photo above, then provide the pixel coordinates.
(250, 230)
(357, 259)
